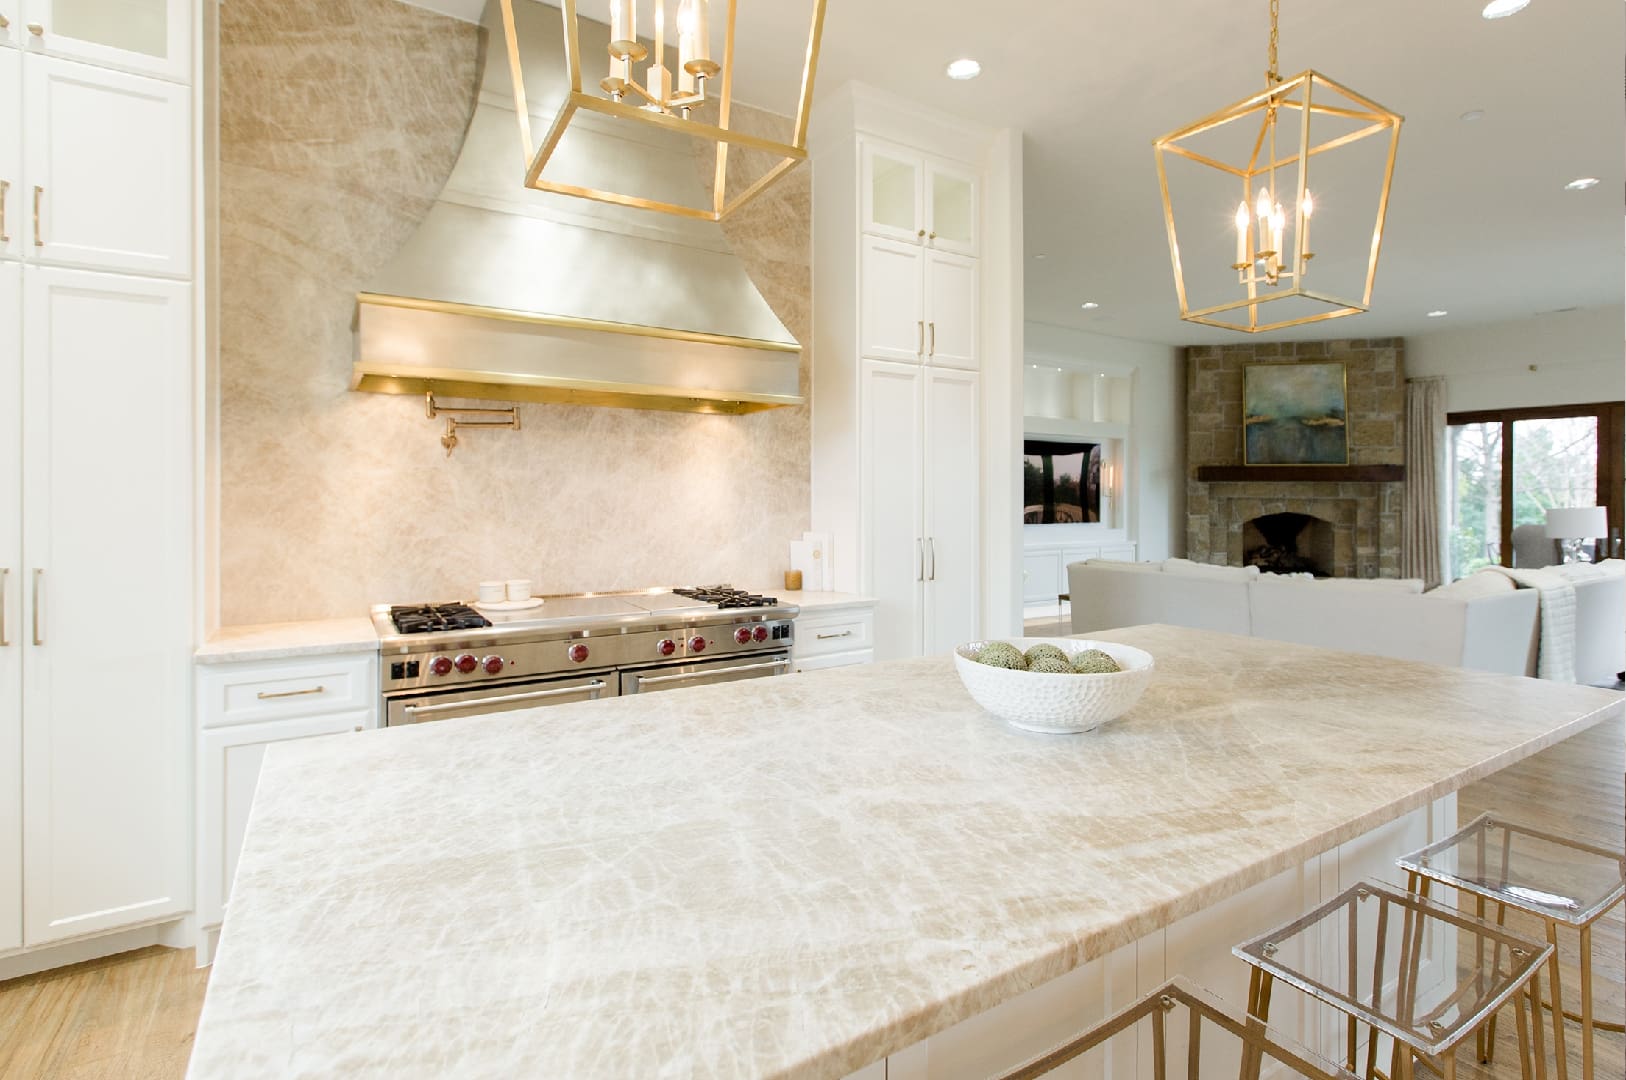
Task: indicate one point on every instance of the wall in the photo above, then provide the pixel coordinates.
(1365, 516)
(1577, 357)
(340, 120)
(1157, 504)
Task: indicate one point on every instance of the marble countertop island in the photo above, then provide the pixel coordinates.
(795, 877)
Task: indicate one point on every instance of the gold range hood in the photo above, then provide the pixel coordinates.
(509, 294)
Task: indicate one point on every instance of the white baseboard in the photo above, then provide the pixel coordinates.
(174, 933)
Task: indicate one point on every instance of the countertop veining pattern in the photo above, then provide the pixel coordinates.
(286, 641)
(794, 877)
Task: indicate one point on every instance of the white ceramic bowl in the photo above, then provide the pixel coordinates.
(1056, 703)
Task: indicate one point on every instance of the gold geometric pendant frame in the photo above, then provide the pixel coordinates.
(1296, 95)
(536, 157)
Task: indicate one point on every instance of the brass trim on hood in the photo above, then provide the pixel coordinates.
(573, 323)
(456, 383)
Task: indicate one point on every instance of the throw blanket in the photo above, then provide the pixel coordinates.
(1555, 658)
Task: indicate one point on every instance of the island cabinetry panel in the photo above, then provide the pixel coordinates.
(243, 708)
(834, 639)
(1197, 947)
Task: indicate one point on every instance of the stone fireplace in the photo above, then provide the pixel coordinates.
(1354, 524)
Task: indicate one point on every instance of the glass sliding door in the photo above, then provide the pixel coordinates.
(1475, 497)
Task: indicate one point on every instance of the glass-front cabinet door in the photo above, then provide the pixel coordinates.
(149, 37)
(951, 209)
(892, 196)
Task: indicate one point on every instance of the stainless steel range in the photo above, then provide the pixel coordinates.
(448, 660)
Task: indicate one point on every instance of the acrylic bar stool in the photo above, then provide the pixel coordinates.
(1560, 881)
(1192, 1035)
(1375, 971)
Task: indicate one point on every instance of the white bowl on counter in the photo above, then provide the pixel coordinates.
(1056, 703)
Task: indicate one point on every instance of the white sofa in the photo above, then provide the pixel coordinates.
(1600, 620)
(1487, 633)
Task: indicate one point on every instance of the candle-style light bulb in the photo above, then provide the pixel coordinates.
(623, 28)
(1309, 211)
(1261, 214)
(1278, 231)
(1242, 232)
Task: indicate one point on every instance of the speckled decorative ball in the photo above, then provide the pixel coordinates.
(1002, 654)
(1050, 665)
(1095, 662)
(1038, 652)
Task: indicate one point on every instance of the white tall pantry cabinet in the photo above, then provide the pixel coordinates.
(97, 480)
(898, 389)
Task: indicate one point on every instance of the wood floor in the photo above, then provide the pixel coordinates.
(132, 1017)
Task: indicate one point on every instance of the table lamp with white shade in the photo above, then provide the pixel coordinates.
(1574, 526)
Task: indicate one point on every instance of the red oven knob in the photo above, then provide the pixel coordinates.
(743, 635)
(697, 644)
(467, 663)
(760, 633)
(493, 664)
(440, 665)
(666, 647)
(578, 653)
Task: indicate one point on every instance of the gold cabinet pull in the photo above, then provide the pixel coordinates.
(5, 640)
(5, 197)
(269, 695)
(931, 236)
(829, 637)
(39, 622)
(4, 22)
(39, 235)
(933, 350)
(36, 29)
(920, 346)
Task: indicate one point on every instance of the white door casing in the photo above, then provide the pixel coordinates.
(106, 159)
(893, 441)
(952, 509)
(107, 488)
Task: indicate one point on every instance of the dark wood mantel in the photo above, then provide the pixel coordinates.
(1292, 474)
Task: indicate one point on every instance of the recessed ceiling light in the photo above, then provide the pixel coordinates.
(1437, 314)
(1089, 305)
(1472, 115)
(1041, 255)
(1501, 9)
(963, 69)
(1582, 184)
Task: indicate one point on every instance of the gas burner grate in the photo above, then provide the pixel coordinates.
(727, 596)
(434, 618)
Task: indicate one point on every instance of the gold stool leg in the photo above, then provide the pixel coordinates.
(1524, 1035)
(1560, 1051)
(1496, 965)
(1586, 1003)
(1536, 1039)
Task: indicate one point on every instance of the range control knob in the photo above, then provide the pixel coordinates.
(578, 653)
(440, 665)
(467, 663)
(666, 647)
(760, 633)
(493, 664)
(697, 644)
(743, 635)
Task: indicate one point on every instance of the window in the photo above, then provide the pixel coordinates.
(1508, 467)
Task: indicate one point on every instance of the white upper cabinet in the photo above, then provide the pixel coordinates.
(106, 496)
(11, 644)
(892, 195)
(150, 37)
(106, 158)
(951, 293)
(11, 155)
(951, 209)
(11, 26)
(893, 323)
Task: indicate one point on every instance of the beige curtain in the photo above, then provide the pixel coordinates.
(1422, 537)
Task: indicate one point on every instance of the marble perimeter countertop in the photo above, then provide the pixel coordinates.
(795, 877)
(283, 641)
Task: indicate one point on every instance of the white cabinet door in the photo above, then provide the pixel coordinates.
(106, 160)
(107, 489)
(11, 642)
(892, 325)
(150, 37)
(951, 310)
(893, 437)
(1121, 552)
(229, 773)
(953, 520)
(951, 209)
(11, 153)
(12, 32)
(891, 184)
(1040, 572)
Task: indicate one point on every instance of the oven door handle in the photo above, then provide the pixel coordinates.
(650, 680)
(591, 689)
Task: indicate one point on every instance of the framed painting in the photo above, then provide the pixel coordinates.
(1294, 414)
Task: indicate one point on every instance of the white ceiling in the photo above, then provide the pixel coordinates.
(1479, 225)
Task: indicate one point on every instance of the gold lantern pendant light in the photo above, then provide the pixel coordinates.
(661, 98)
(1273, 253)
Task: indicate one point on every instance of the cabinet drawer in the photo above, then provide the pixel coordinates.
(273, 690)
(835, 660)
(837, 632)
